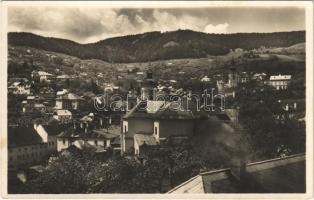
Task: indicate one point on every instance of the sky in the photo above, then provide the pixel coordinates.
(86, 25)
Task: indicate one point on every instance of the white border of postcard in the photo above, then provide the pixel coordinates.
(307, 5)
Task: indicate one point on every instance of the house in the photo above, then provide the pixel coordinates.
(279, 175)
(40, 107)
(19, 88)
(205, 79)
(67, 100)
(93, 131)
(48, 133)
(244, 77)
(289, 109)
(157, 123)
(63, 116)
(259, 76)
(280, 82)
(47, 92)
(41, 75)
(25, 147)
(82, 136)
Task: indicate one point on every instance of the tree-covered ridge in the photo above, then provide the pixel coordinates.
(159, 46)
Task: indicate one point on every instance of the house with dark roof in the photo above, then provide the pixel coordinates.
(98, 139)
(155, 122)
(279, 175)
(20, 87)
(92, 131)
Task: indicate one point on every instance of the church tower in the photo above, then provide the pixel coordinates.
(147, 90)
(232, 77)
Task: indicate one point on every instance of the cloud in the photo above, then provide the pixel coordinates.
(220, 28)
(92, 24)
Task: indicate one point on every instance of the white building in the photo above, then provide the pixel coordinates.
(25, 147)
(66, 100)
(280, 82)
(49, 133)
(205, 79)
(64, 116)
(81, 136)
(43, 76)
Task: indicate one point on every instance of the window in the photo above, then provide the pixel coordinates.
(63, 141)
(156, 130)
(96, 142)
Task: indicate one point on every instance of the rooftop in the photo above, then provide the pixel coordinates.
(63, 112)
(42, 73)
(280, 77)
(23, 136)
(158, 110)
(97, 133)
(279, 175)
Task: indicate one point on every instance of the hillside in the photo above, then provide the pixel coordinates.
(153, 46)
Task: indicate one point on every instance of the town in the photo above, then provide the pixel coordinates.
(133, 112)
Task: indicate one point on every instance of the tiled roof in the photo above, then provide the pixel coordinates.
(80, 133)
(72, 96)
(54, 129)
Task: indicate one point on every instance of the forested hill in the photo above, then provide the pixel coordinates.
(159, 46)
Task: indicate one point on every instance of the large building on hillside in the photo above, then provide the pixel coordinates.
(30, 145)
(25, 147)
(280, 82)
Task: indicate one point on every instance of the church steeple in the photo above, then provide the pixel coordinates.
(147, 91)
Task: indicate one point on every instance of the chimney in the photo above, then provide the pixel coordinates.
(295, 105)
(81, 125)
